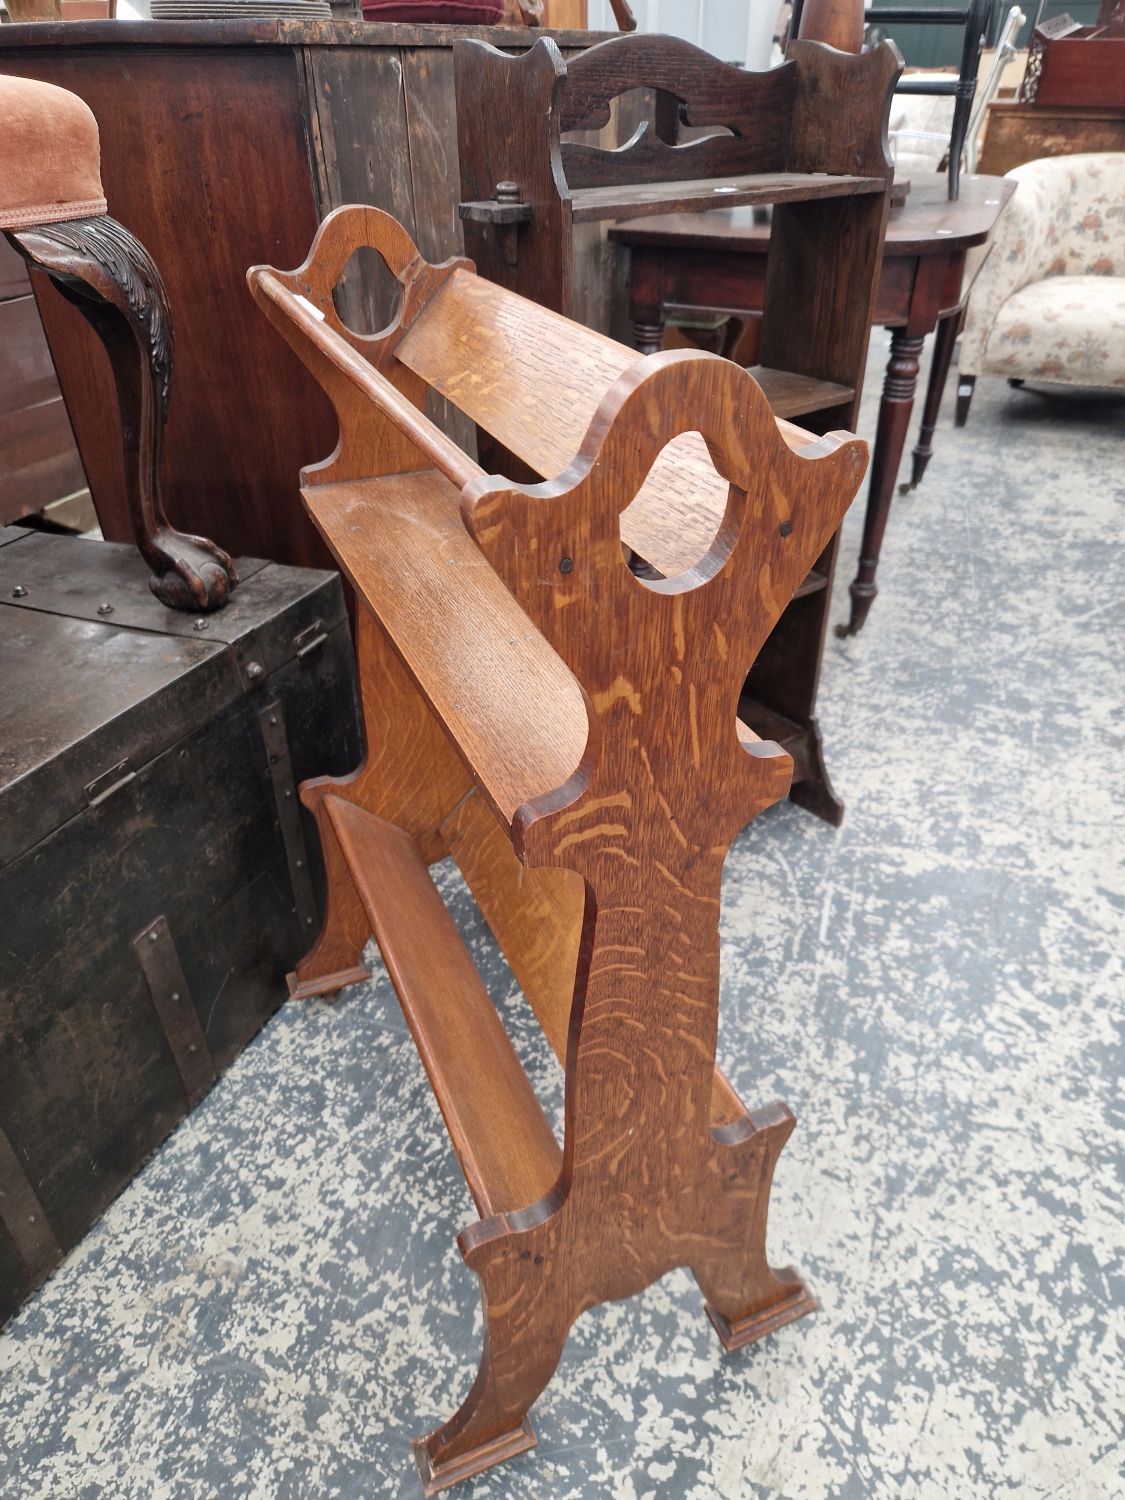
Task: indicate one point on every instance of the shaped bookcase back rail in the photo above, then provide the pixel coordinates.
(646, 125)
(568, 731)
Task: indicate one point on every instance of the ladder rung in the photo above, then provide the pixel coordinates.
(916, 15)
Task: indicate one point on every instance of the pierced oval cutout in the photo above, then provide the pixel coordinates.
(677, 514)
(366, 295)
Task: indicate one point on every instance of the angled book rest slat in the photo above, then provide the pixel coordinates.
(569, 733)
(808, 137)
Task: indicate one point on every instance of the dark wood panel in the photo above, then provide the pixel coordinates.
(896, 284)
(1083, 70)
(226, 182)
(87, 386)
(757, 106)
(1024, 132)
(792, 396)
(431, 109)
(926, 224)
(431, 113)
(359, 110)
(75, 35)
(13, 273)
(38, 459)
(825, 255)
(634, 201)
(27, 376)
(703, 279)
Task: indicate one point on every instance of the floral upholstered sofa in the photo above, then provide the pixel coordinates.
(1049, 303)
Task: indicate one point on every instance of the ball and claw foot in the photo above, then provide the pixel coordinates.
(189, 572)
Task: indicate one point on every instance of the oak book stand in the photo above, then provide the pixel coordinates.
(568, 732)
(809, 137)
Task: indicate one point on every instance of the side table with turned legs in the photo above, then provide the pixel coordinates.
(717, 261)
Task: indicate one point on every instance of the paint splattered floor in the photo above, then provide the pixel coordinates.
(276, 1306)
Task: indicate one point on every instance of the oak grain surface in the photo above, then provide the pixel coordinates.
(496, 1124)
(512, 708)
(597, 714)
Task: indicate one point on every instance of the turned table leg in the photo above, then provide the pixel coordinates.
(890, 437)
(945, 336)
(646, 298)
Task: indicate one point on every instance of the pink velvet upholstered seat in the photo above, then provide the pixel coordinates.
(50, 156)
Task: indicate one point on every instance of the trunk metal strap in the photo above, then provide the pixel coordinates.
(23, 1217)
(171, 998)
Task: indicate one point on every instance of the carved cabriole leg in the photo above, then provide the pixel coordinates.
(945, 337)
(409, 775)
(112, 281)
(890, 438)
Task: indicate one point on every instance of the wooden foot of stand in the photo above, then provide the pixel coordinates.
(336, 958)
(497, 1451)
(745, 1330)
(428, 781)
(815, 792)
(890, 438)
(540, 1269)
(812, 787)
(326, 985)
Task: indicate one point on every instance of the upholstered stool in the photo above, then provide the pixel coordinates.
(53, 211)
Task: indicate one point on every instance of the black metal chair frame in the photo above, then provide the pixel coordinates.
(977, 22)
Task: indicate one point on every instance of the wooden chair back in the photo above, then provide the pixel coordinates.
(693, 89)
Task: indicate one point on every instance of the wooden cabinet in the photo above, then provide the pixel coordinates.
(224, 143)
(39, 462)
(1025, 132)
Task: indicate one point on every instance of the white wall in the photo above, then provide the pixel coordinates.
(738, 31)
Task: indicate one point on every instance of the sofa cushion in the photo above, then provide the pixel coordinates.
(1069, 329)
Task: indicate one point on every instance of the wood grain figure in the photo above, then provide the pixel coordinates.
(570, 733)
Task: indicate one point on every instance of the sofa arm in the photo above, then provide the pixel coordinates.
(1018, 255)
(1066, 218)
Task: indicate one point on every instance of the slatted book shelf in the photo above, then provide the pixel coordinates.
(569, 733)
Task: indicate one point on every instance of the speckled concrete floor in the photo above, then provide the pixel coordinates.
(276, 1305)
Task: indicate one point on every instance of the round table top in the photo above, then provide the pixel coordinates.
(926, 224)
